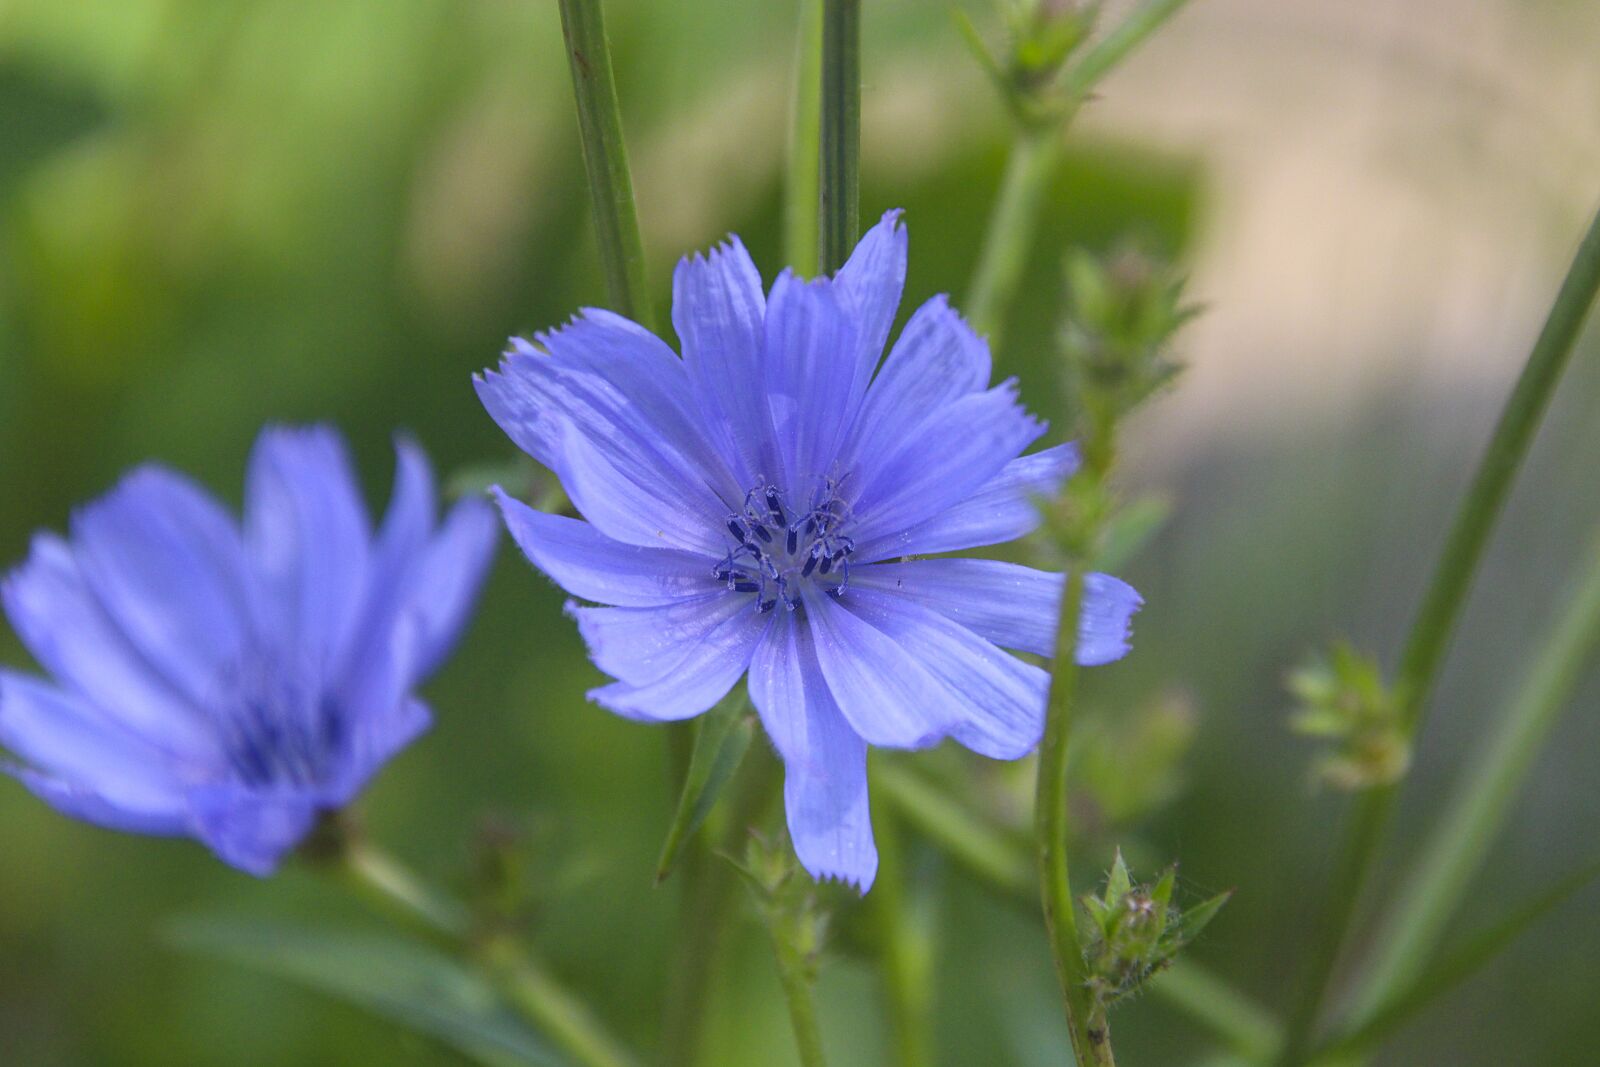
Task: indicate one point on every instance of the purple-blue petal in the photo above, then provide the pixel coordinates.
(824, 760)
(869, 286)
(308, 537)
(703, 674)
(1004, 509)
(622, 473)
(889, 698)
(941, 461)
(85, 750)
(166, 563)
(1011, 605)
(250, 829)
(936, 361)
(997, 700)
(444, 586)
(808, 364)
(643, 645)
(718, 310)
(61, 622)
(590, 565)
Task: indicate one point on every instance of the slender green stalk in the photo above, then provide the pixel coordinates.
(1009, 236)
(1436, 617)
(985, 851)
(605, 158)
(707, 910)
(565, 1019)
(1091, 1037)
(1452, 576)
(1482, 801)
(840, 126)
(1416, 993)
(802, 1006)
(1035, 155)
(987, 854)
(1117, 45)
(802, 225)
(905, 953)
(392, 888)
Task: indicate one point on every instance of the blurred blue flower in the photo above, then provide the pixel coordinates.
(229, 684)
(748, 506)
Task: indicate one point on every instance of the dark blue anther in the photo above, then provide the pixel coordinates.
(811, 565)
(746, 587)
(827, 564)
(761, 532)
(775, 506)
(765, 606)
(737, 530)
(794, 540)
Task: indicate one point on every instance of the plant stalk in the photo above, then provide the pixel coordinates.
(519, 975)
(1478, 809)
(605, 159)
(802, 195)
(1035, 154)
(1091, 1038)
(840, 126)
(1437, 616)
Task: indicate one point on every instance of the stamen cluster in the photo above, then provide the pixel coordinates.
(811, 544)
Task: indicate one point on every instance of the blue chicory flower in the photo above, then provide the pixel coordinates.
(749, 507)
(230, 683)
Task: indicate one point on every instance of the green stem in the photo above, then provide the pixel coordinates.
(1012, 224)
(1452, 576)
(795, 969)
(521, 978)
(1035, 155)
(986, 852)
(707, 910)
(1115, 46)
(566, 1020)
(1091, 1039)
(1436, 617)
(803, 184)
(840, 200)
(605, 158)
(905, 952)
(1482, 800)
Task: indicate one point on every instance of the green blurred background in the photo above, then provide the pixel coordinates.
(217, 214)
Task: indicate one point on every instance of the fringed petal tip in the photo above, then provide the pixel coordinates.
(1105, 627)
(860, 881)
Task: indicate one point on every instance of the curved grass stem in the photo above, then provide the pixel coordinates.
(519, 975)
(1091, 1038)
(1437, 616)
(1478, 809)
(605, 159)
(840, 132)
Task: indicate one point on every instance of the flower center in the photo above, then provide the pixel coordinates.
(280, 731)
(777, 548)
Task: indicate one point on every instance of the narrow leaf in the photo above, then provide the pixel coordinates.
(722, 737)
(1191, 922)
(405, 982)
(1130, 529)
(1457, 967)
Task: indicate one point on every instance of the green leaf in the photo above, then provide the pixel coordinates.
(722, 737)
(1119, 882)
(1130, 529)
(405, 982)
(1446, 974)
(1188, 926)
